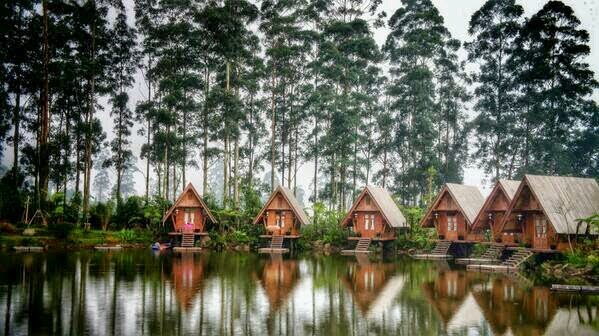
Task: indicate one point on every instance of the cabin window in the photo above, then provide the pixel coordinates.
(280, 221)
(189, 216)
(452, 223)
(540, 226)
(368, 221)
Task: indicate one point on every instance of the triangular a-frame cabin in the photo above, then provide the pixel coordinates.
(546, 209)
(282, 214)
(491, 214)
(189, 213)
(375, 215)
(453, 212)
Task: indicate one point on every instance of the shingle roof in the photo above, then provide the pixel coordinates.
(386, 205)
(293, 202)
(468, 198)
(565, 199)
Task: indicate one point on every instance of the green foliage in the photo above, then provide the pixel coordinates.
(134, 236)
(478, 250)
(129, 213)
(61, 230)
(326, 227)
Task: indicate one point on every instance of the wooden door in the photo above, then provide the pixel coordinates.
(452, 227)
(540, 232)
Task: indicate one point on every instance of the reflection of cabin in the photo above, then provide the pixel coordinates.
(279, 277)
(372, 284)
(187, 277)
(491, 214)
(189, 214)
(282, 214)
(446, 293)
(513, 310)
(453, 212)
(545, 210)
(375, 215)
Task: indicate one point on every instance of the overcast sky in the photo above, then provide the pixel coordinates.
(456, 14)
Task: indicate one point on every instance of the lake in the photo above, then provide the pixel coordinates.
(139, 292)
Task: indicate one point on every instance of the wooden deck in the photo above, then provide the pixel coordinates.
(181, 233)
(108, 248)
(273, 250)
(29, 248)
(493, 268)
(374, 239)
(179, 249)
(576, 289)
(284, 236)
(479, 261)
(432, 256)
(353, 252)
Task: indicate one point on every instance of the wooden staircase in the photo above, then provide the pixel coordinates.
(493, 252)
(517, 258)
(276, 246)
(188, 239)
(442, 248)
(276, 242)
(363, 245)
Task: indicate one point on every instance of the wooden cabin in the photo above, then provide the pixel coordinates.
(282, 214)
(189, 214)
(546, 209)
(453, 212)
(278, 278)
(491, 214)
(375, 215)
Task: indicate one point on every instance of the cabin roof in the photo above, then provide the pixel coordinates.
(564, 199)
(386, 205)
(197, 195)
(297, 208)
(468, 199)
(509, 188)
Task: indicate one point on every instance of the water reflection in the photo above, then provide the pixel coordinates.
(139, 293)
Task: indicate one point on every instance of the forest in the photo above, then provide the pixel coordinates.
(234, 87)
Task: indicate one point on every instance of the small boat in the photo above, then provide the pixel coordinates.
(159, 247)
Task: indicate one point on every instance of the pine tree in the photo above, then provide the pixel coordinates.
(556, 83)
(123, 64)
(494, 28)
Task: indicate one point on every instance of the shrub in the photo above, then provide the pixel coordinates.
(7, 228)
(325, 228)
(127, 235)
(61, 230)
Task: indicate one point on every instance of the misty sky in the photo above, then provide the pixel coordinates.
(456, 14)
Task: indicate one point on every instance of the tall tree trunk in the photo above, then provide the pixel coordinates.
(88, 135)
(272, 133)
(16, 122)
(44, 153)
(226, 140)
(149, 130)
(205, 145)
